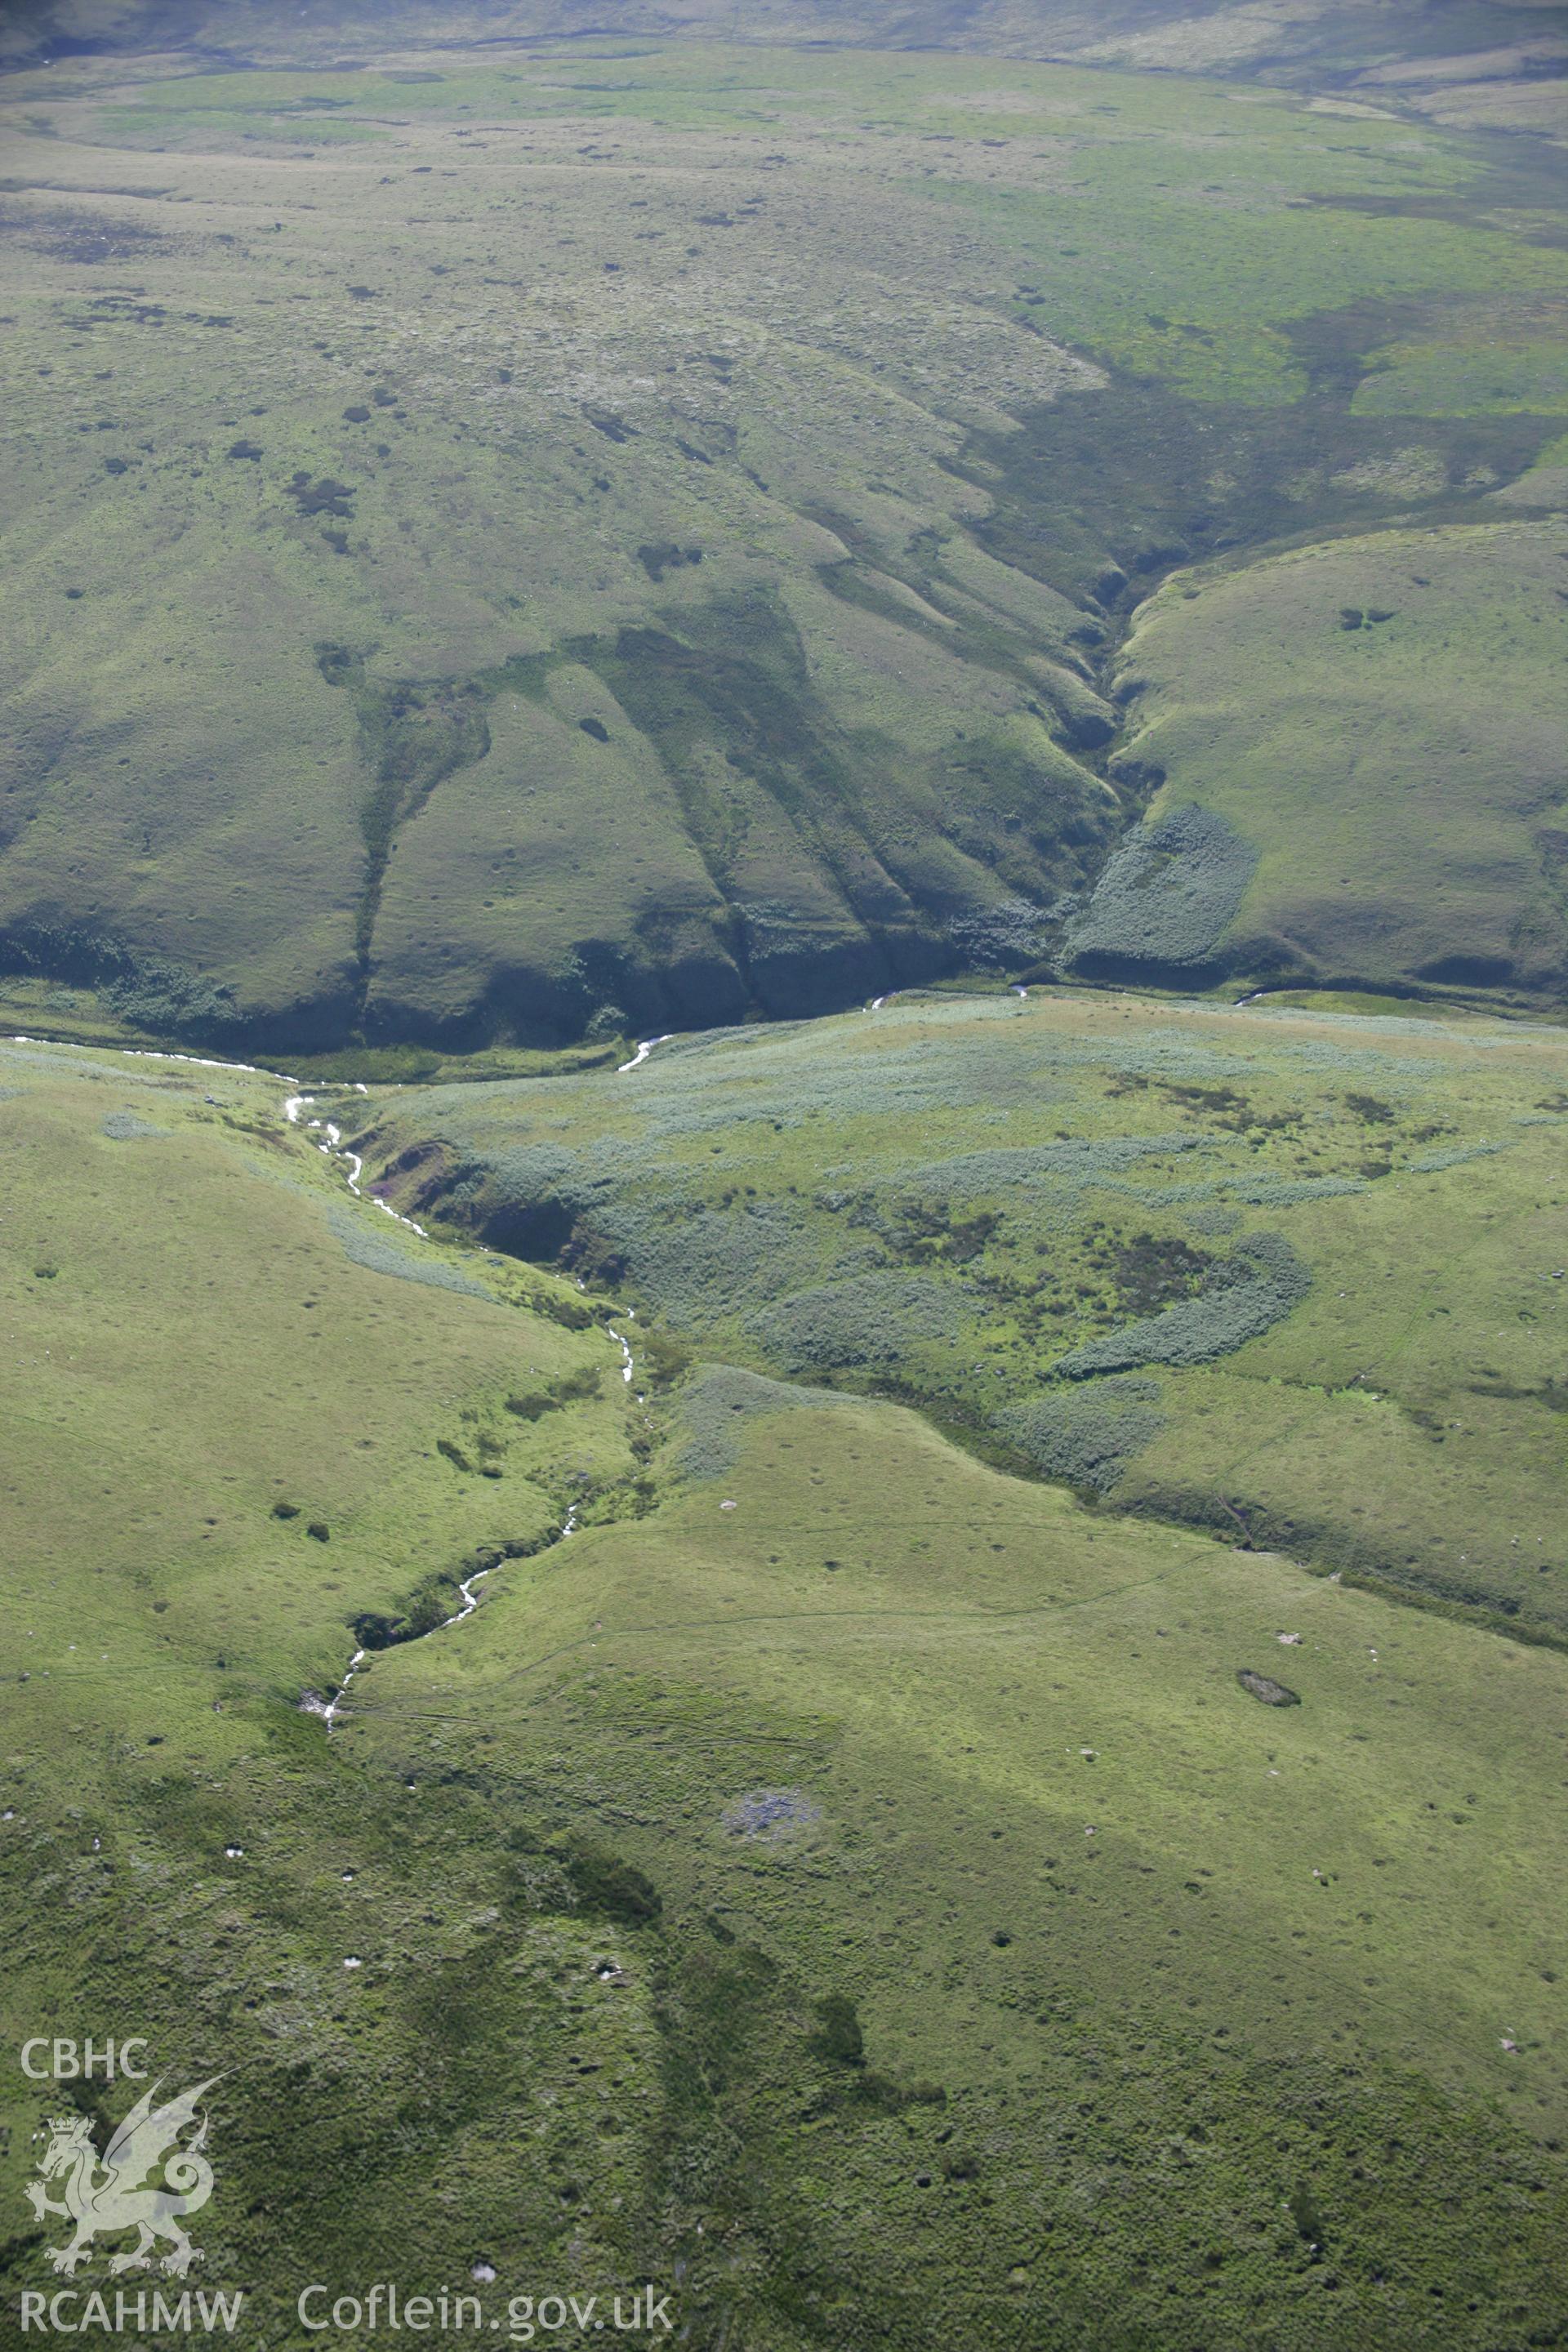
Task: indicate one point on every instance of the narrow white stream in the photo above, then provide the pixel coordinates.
(643, 1051)
(334, 1149)
(148, 1053)
(354, 1167)
(471, 1584)
(628, 1363)
(196, 1061)
(328, 1709)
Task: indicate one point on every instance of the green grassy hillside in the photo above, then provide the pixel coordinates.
(1182, 1262)
(1454, 51)
(1374, 728)
(947, 1746)
(527, 544)
(810, 1884)
(263, 1385)
(901, 1669)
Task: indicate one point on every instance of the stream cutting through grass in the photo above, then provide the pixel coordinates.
(334, 1147)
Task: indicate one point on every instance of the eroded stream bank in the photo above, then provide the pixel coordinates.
(328, 1138)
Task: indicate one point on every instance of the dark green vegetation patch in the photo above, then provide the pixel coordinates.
(1243, 1296)
(1088, 1440)
(1163, 900)
(1264, 1689)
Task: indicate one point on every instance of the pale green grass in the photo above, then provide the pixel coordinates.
(894, 1595)
(207, 1366)
(189, 1344)
(1506, 378)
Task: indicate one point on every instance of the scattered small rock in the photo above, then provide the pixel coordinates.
(767, 1812)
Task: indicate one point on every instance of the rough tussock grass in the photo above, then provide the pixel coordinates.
(770, 1189)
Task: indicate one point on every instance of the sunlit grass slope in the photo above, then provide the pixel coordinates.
(1297, 1278)
(246, 1415)
(1147, 1971)
(842, 1882)
(255, 1381)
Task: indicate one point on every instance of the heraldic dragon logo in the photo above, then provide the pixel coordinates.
(122, 2189)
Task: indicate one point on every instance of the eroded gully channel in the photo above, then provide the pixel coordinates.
(327, 1139)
